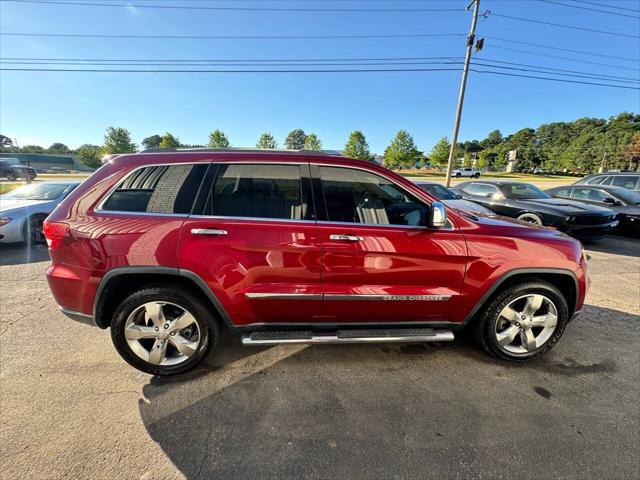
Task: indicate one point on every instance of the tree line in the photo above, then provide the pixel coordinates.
(584, 145)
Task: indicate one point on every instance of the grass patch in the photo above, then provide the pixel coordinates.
(7, 187)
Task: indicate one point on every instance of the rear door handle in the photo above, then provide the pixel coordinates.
(346, 238)
(208, 231)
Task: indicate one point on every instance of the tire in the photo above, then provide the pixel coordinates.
(32, 230)
(493, 329)
(531, 218)
(156, 350)
(477, 175)
(12, 176)
(458, 175)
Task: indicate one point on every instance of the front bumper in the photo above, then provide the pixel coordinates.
(12, 232)
(590, 231)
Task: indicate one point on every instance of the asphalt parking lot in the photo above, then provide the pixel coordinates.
(72, 409)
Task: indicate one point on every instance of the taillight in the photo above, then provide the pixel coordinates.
(54, 232)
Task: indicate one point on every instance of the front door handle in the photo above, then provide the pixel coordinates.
(208, 231)
(346, 238)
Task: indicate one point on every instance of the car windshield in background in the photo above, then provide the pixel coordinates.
(438, 191)
(523, 191)
(629, 196)
(37, 192)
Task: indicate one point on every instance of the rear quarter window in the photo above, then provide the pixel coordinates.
(157, 189)
(626, 181)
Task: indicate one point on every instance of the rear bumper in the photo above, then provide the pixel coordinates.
(78, 316)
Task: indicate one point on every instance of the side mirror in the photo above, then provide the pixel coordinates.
(458, 196)
(438, 215)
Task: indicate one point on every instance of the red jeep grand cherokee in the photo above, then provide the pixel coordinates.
(166, 248)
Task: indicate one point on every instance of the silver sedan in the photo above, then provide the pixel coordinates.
(23, 210)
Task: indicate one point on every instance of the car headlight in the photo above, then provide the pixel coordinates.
(5, 220)
(569, 219)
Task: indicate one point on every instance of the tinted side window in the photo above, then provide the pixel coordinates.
(158, 189)
(563, 192)
(257, 191)
(356, 196)
(626, 181)
(589, 195)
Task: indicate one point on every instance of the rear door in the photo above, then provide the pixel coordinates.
(380, 262)
(253, 239)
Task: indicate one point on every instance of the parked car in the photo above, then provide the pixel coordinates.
(539, 171)
(11, 169)
(467, 172)
(297, 247)
(23, 210)
(626, 203)
(528, 203)
(629, 180)
(451, 198)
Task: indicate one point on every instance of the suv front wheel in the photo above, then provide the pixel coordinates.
(163, 331)
(524, 321)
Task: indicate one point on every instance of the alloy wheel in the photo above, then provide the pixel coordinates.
(36, 234)
(530, 218)
(526, 324)
(162, 333)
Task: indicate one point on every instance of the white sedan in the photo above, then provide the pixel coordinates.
(23, 210)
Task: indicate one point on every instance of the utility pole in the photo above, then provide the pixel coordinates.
(463, 85)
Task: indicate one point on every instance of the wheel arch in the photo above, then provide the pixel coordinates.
(563, 279)
(25, 223)
(119, 282)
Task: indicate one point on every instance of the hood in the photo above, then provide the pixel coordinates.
(565, 207)
(44, 206)
(467, 206)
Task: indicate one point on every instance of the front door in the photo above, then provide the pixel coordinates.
(253, 240)
(380, 261)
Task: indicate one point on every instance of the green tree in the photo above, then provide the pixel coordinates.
(401, 152)
(295, 139)
(89, 155)
(439, 155)
(357, 146)
(217, 139)
(312, 142)
(58, 149)
(118, 140)
(32, 149)
(493, 139)
(5, 141)
(266, 140)
(169, 141)
(151, 142)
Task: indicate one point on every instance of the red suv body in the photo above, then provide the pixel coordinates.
(296, 247)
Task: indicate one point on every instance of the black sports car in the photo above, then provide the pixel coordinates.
(625, 202)
(528, 203)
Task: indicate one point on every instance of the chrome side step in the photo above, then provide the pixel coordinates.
(349, 336)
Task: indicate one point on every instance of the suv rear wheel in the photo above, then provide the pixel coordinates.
(523, 322)
(163, 331)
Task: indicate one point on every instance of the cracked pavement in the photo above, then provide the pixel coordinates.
(70, 408)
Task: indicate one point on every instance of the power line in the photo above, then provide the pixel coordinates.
(555, 47)
(562, 25)
(606, 5)
(588, 8)
(350, 70)
(234, 37)
(386, 61)
(529, 52)
(236, 9)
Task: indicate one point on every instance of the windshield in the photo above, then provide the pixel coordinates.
(49, 191)
(438, 191)
(523, 191)
(629, 196)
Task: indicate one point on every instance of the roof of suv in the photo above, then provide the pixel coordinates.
(238, 150)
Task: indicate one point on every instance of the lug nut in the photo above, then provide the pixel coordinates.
(172, 333)
(166, 325)
(155, 328)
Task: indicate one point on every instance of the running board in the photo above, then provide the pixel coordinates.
(349, 336)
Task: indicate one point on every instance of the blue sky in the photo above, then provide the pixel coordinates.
(76, 108)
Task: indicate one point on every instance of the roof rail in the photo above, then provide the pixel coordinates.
(237, 149)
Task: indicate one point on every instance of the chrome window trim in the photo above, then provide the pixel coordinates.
(250, 219)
